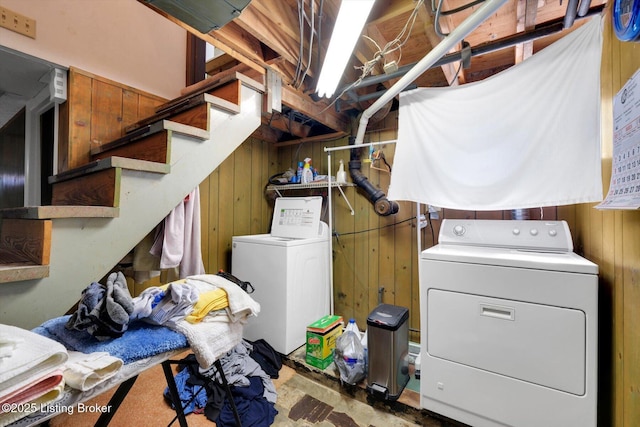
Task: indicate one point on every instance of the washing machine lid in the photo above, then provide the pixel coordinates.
(268, 239)
(297, 217)
(543, 245)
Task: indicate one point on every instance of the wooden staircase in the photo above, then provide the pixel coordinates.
(101, 210)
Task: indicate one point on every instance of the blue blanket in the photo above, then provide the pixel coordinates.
(141, 340)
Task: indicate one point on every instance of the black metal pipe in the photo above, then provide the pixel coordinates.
(381, 205)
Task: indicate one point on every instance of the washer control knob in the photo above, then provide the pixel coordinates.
(516, 231)
(534, 231)
(553, 233)
(458, 230)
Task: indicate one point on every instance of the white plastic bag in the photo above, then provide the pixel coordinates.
(349, 357)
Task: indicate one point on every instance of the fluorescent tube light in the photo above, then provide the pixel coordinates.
(351, 19)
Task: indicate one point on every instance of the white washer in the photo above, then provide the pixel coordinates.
(289, 270)
(509, 323)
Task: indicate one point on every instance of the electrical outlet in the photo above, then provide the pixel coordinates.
(16, 22)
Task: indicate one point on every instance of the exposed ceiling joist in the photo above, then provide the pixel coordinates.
(267, 35)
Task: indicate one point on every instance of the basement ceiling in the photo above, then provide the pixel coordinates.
(290, 37)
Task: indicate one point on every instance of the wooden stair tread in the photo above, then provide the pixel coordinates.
(209, 91)
(210, 85)
(149, 127)
(169, 112)
(222, 104)
(17, 272)
(220, 79)
(51, 212)
(111, 162)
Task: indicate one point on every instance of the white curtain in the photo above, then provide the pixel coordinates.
(526, 137)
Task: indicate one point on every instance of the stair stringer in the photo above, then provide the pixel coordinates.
(83, 250)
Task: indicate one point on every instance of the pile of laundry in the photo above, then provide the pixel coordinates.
(248, 369)
(209, 310)
(104, 309)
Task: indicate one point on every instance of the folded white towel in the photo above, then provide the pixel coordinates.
(33, 357)
(8, 344)
(41, 398)
(210, 340)
(85, 371)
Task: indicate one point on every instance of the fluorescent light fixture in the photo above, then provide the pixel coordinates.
(351, 19)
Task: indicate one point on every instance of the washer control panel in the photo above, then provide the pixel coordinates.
(536, 235)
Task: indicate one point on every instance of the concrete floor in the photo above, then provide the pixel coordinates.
(358, 403)
(307, 397)
(305, 402)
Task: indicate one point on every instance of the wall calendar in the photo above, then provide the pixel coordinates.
(624, 189)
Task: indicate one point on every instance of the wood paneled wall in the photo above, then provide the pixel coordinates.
(233, 201)
(611, 239)
(96, 113)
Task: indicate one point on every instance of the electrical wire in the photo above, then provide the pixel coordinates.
(391, 46)
(337, 235)
(311, 36)
(439, 12)
(301, 45)
(453, 79)
(457, 9)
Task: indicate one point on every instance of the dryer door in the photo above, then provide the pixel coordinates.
(541, 344)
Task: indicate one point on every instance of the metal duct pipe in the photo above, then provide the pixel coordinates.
(454, 37)
(583, 9)
(571, 13)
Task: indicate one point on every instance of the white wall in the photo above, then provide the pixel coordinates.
(122, 40)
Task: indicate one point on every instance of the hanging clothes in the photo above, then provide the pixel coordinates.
(177, 241)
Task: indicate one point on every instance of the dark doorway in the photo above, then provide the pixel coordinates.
(12, 136)
(47, 129)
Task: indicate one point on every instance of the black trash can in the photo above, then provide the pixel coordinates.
(388, 351)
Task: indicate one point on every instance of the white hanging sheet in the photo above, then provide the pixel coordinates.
(526, 137)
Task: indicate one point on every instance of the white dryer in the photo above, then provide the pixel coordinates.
(509, 325)
(289, 270)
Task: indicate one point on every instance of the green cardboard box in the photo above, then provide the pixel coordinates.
(321, 340)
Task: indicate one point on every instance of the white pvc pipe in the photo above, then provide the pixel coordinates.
(467, 26)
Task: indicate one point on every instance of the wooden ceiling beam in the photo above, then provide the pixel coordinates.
(285, 124)
(317, 138)
(526, 11)
(220, 63)
(392, 10)
(253, 21)
(317, 111)
(266, 133)
(449, 70)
